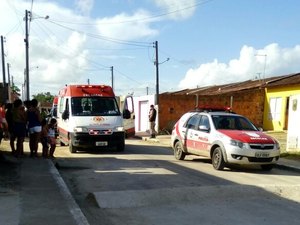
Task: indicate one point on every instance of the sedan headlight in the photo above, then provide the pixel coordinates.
(237, 143)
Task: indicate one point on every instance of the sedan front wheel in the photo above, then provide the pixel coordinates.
(217, 159)
(178, 151)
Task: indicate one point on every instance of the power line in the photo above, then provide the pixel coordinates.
(96, 36)
(138, 20)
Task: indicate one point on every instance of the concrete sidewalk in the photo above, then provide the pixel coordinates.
(41, 197)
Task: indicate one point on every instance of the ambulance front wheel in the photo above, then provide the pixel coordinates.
(121, 147)
(72, 148)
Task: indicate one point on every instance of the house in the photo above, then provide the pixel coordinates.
(277, 101)
(7, 94)
(265, 102)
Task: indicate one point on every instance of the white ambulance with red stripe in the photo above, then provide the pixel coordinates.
(224, 137)
(88, 117)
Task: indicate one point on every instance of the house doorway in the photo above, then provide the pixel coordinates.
(143, 117)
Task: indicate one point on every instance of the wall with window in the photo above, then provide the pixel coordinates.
(276, 107)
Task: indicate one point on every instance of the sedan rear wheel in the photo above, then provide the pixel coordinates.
(217, 159)
(178, 151)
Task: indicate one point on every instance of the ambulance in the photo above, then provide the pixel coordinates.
(89, 117)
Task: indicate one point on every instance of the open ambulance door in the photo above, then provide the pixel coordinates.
(127, 108)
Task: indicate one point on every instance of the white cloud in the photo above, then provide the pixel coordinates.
(128, 27)
(270, 61)
(84, 6)
(178, 10)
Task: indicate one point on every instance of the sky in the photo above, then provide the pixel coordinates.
(199, 43)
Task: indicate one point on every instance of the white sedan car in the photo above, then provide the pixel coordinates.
(225, 138)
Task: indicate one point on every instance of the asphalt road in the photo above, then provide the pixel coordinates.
(146, 185)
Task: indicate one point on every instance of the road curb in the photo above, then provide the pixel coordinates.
(287, 167)
(72, 205)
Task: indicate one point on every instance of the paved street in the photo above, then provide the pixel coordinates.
(143, 185)
(146, 185)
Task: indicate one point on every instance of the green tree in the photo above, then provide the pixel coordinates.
(15, 89)
(44, 97)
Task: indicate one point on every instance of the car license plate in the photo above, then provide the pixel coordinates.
(262, 155)
(101, 143)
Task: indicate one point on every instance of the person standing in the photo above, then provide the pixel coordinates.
(10, 123)
(34, 126)
(44, 138)
(19, 125)
(51, 136)
(152, 118)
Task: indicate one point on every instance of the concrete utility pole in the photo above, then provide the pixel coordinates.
(112, 77)
(8, 75)
(3, 70)
(157, 73)
(27, 13)
(8, 84)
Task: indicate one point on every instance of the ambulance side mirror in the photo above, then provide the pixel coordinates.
(126, 114)
(65, 115)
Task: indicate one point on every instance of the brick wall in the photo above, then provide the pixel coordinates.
(249, 103)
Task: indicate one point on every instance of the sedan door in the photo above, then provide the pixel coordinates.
(192, 126)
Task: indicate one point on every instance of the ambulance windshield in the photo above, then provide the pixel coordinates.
(94, 106)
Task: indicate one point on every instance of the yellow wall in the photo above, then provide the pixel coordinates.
(284, 93)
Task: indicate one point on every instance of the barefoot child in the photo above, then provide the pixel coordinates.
(44, 138)
(51, 136)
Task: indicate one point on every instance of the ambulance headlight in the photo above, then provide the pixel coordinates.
(80, 129)
(119, 128)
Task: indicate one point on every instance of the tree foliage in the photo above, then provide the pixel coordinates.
(44, 97)
(15, 89)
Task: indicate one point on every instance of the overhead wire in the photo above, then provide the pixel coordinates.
(202, 2)
(114, 40)
(60, 47)
(119, 41)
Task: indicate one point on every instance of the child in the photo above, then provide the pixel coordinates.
(44, 138)
(51, 136)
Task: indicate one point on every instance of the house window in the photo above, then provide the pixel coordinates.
(275, 108)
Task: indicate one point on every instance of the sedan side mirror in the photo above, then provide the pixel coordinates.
(203, 128)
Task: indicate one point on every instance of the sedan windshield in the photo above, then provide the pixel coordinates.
(229, 122)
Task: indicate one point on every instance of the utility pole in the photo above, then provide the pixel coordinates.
(8, 84)
(3, 70)
(8, 75)
(27, 55)
(112, 77)
(157, 73)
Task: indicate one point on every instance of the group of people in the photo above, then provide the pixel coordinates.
(23, 119)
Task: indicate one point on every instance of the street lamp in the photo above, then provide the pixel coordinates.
(28, 16)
